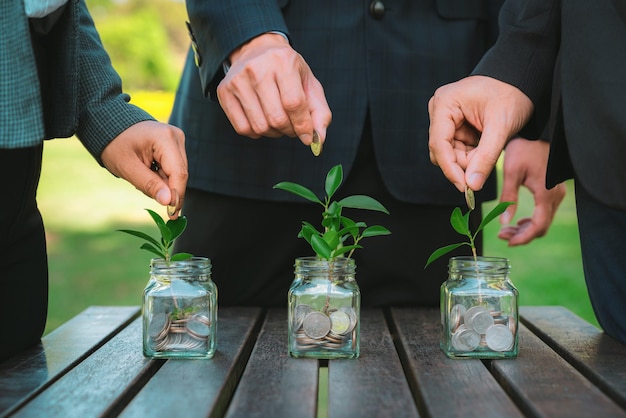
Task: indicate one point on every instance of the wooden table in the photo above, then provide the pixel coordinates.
(93, 366)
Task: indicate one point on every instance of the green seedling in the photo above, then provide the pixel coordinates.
(460, 223)
(169, 230)
(340, 235)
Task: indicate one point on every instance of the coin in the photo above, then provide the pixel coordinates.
(469, 198)
(158, 323)
(465, 339)
(457, 312)
(481, 322)
(499, 338)
(353, 317)
(197, 329)
(316, 145)
(340, 322)
(316, 324)
(299, 312)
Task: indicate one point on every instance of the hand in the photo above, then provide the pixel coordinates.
(525, 164)
(470, 122)
(270, 90)
(130, 156)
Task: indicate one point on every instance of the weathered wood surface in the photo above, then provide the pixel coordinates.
(27, 374)
(275, 384)
(93, 366)
(200, 388)
(444, 387)
(596, 355)
(374, 384)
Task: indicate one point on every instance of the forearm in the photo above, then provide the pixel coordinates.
(103, 109)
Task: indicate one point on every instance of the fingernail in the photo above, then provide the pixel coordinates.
(476, 181)
(505, 218)
(162, 196)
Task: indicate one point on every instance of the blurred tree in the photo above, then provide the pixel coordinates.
(147, 40)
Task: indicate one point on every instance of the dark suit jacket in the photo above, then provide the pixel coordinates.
(388, 66)
(569, 57)
(63, 83)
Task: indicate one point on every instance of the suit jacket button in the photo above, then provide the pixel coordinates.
(377, 9)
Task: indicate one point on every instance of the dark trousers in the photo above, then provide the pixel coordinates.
(24, 271)
(253, 244)
(603, 242)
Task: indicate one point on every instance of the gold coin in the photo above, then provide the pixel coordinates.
(316, 145)
(469, 198)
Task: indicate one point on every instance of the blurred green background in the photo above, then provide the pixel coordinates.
(83, 205)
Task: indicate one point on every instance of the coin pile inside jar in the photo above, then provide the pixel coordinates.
(479, 327)
(332, 330)
(185, 334)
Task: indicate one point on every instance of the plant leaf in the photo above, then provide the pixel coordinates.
(176, 227)
(152, 249)
(181, 256)
(298, 190)
(320, 247)
(333, 180)
(442, 251)
(165, 232)
(374, 231)
(343, 250)
(363, 202)
(332, 239)
(141, 235)
(459, 222)
(495, 212)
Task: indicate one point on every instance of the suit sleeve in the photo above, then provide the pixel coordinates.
(525, 54)
(103, 109)
(219, 26)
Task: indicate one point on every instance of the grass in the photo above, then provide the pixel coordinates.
(92, 264)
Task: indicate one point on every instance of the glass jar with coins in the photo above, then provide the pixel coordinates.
(479, 309)
(180, 309)
(324, 309)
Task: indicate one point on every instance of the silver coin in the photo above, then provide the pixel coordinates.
(457, 312)
(299, 312)
(499, 338)
(469, 198)
(158, 323)
(481, 322)
(465, 339)
(316, 325)
(339, 322)
(354, 318)
(197, 329)
(472, 313)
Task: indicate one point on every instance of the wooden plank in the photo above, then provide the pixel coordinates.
(275, 384)
(201, 388)
(444, 387)
(97, 385)
(596, 355)
(545, 385)
(373, 385)
(24, 375)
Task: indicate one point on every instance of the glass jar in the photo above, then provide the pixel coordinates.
(479, 309)
(180, 309)
(324, 309)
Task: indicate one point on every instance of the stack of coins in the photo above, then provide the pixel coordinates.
(479, 327)
(333, 330)
(185, 334)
